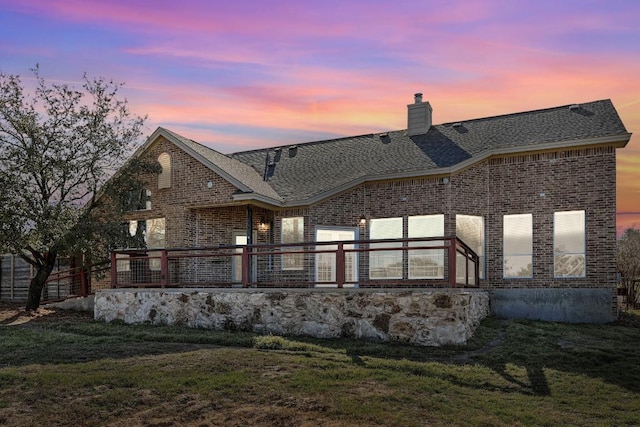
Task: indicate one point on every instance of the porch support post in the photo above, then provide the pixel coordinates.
(245, 254)
(249, 225)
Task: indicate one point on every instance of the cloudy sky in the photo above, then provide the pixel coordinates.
(238, 75)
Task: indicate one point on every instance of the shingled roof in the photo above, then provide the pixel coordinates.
(241, 175)
(309, 172)
(306, 173)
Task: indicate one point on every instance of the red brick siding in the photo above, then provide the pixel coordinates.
(570, 180)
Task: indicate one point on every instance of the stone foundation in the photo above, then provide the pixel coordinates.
(429, 317)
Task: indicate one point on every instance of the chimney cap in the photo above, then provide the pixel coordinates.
(417, 97)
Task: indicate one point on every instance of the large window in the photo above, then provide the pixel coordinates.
(145, 234)
(426, 263)
(518, 246)
(470, 229)
(385, 264)
(292, 232)
(164, 177)
(569, 244)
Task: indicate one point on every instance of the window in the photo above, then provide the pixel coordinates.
(155, 238)
(164, 177)
(426, 263)
(292, 232)
(569, 244)
(137, 200)
(385, 264)
(470, 229)
(517, 234)
(144, 234)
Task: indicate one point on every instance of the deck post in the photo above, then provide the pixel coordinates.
(477, 268)
(452, 261)
(114, 270)
(84, 289)
(466, 267)
(245, 267)
(164, 269)
(340, 267)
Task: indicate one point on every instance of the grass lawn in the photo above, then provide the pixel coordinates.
(74, 372)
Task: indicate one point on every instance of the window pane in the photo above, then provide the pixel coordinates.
(292, 232)
(569, 244)
(164, 177)
(470, 229)
(518, 245)
(155, 238)
(426, 263)
(385, 264)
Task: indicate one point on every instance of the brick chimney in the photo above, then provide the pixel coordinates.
(419, 117)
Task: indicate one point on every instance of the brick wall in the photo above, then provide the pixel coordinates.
(538, 183)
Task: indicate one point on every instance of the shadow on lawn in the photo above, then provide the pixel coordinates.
(522, 353)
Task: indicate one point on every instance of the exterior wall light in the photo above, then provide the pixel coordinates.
(363, 220)
(263, 226)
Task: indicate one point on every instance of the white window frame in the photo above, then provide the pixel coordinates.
(164, 177)
(556, 249)
(376, 256)
(483, 237)
(435, 255)
(298, 259)
(528, 235)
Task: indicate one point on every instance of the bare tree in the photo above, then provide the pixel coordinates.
(59, 147)
(629, 263)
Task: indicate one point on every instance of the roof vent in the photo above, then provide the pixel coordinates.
(384, 135)
(419, 116)
(574, 107)
(457, 124)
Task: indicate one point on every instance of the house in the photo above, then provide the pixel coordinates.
(533, 194)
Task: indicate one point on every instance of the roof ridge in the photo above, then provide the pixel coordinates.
(297, 144)
(520, 113)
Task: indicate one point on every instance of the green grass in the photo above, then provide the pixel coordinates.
(511, 373)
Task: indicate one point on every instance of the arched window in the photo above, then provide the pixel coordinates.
(164, 177)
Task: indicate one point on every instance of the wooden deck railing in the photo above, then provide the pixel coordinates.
(420, 262)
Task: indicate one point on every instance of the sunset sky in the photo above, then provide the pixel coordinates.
(237, 75)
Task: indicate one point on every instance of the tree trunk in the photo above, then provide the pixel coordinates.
(37, 283)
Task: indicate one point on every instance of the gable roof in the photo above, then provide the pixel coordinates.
(307, 173)
(316, 170)
(239, 174)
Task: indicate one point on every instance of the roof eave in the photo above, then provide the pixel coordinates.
(618, 140)
(219, 171)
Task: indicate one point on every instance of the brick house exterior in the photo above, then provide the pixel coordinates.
(544, 169)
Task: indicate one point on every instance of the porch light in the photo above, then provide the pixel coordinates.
(263, 223)
(363, 220)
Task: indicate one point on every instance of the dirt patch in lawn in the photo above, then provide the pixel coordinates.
(14, 314)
